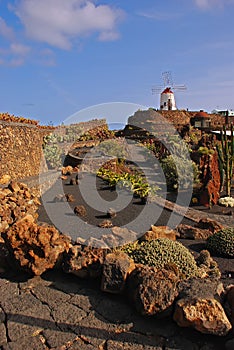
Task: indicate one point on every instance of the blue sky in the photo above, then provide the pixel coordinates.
(61, 56)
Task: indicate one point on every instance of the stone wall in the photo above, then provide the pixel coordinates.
(20, 149)
(21, 153)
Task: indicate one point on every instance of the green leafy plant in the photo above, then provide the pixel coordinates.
(162, 251)
(205, 150)
(53, 155)
(222, 242)
(134, 182)
(177, 168)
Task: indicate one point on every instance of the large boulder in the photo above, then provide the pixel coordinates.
(35, 248)
(199, 306)
(230, 300)
(160, 232)
(191, 232)
(209, 224)
(116, 268)
(205, 315)
(84, 261)
(152, 290)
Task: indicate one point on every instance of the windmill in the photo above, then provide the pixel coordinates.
(167, 97)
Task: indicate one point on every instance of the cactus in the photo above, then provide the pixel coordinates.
(226, 158)
(163, 251)
(222, 242)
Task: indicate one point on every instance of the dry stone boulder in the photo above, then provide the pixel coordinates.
(80, 210)
(191, 232)
(205, 315)
(84, 261)
(123, 235)
(106, 224)
(160, 232)
(152, 290)
(70, 197)
(209, 224)
(116, 268)
(35, 248)
(199, 306)
(230, 300)
(207, 265)
(16, 203)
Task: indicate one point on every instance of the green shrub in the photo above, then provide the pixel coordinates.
(222, 242)
(179, 169)
(162, 251)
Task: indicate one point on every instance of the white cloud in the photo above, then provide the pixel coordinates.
(59, 22)
(19, 49)
(6, 31)
(14, 55)
(206, 4)
(160, 16)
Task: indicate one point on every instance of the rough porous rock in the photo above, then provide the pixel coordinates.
(16, 202)
(69, 197)
(106, 224)
(152, 290)
(201, 288)
(230, 300)
(80, 210)
(199, 306)
(35, 248)
(68, 170)
(208, 266)
(191, 232)
(160, 232)
(4, 179)
(123, 235)
(110, 240)
(116, 268)
(205, 315)
(84, 261)
(209, 224)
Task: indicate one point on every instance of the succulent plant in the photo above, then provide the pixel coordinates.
(222, 242)
(163, 251)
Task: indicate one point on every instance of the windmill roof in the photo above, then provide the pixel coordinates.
(167, 91)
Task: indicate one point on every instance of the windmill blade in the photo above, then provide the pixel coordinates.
(157, 89)
(179, 87)
(167, 78)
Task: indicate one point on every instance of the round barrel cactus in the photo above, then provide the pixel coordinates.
(162, 251)
(222, 243)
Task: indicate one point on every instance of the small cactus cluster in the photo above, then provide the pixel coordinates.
(163, 251)
(222, 242)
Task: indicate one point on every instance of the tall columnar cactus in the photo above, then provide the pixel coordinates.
(226, 157)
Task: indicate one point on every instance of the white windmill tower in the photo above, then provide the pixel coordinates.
(167, 97)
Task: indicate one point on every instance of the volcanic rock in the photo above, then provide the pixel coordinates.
(80, 210)
(106, 224)
(160, 232)
(84, 262)
(205, 315)
(152, 290)
(209, 224)
(199, 306)
(35, 248)
(191, 232)
(117, 266)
